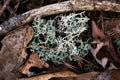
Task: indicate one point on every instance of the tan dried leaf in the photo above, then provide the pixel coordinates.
(103, 50)
(11, 53)
(113, 28)
(109, 75)
(33, 61)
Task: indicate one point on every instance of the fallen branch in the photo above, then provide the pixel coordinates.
(66, 6)
(50, 75)
(85, 76)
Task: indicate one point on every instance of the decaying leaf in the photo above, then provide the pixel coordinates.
(115, 75)
(113, 28)
(103, 50)
(12, 52)
(33, 61)
(28, 37)
(109, 75)
(106, 75)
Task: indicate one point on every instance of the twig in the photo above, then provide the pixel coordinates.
(64, 75)
(50, 75)
(71, 67)
(4, 7)
(40, 47)
(62, 7)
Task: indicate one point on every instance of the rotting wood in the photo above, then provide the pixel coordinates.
(66, 6)
(63, 74)
(50, 75)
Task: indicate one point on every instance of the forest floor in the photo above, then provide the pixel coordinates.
(60, 49)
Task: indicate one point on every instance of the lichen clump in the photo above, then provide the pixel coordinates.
(60, 38)
(117, 43)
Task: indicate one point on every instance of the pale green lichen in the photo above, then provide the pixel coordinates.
(60, 37)
(117, 45)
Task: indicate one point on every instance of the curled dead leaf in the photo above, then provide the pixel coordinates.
(113, 28)
(103, 50)
(11, 53)
(33, 61)
(109, 75)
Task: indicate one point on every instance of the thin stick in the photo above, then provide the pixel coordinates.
(4, 7)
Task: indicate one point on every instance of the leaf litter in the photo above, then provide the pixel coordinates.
(104, 46)
(12, 53)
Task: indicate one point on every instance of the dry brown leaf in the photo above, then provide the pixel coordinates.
(97, 44)
(11, 53)
(1, 6)
(115, 74)
(109, 75)
(64, 74)
(28, 37)
(33, 61)
(103, 50)
(96, 32)
(106, 75)
(113, 28)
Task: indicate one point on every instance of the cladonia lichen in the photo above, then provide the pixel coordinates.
(60, 38)
(117, 43)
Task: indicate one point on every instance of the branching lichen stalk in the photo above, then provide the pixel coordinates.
(61, 36)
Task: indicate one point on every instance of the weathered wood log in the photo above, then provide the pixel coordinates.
(66, 6)
(64, 75)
